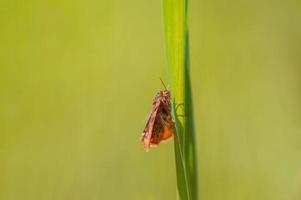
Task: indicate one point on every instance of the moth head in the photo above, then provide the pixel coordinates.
(165, 97)
(166, 93)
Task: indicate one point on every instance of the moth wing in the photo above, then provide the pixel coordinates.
(167, 133)
(163, 136)
(148, 130)
(163, 127)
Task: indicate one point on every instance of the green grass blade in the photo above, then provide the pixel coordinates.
(177, 50)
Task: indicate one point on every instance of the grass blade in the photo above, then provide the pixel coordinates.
(177, 50)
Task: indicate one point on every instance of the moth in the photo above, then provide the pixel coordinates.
(160, 124)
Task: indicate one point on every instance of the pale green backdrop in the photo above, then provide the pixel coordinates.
(76, 83)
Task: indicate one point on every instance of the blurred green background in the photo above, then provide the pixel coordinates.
(76, 83)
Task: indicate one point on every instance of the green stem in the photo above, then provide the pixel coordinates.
(177, 50)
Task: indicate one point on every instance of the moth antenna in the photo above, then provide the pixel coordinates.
(163, 84)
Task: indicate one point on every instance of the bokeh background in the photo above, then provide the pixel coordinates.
(76, 83)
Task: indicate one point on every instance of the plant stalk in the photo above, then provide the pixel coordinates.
(177, 51)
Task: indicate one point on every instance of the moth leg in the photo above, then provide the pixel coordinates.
(178, 105)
